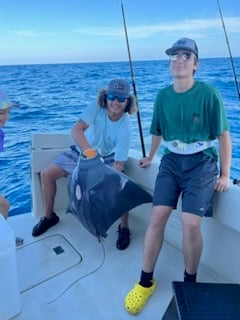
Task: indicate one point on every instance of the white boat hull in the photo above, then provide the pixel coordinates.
(89, 280)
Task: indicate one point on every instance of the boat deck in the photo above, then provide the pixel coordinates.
(67, 274)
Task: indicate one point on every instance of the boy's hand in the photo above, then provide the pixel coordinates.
(144, 162)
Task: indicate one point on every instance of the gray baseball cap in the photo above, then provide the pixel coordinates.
(183, 43)
(119, 87)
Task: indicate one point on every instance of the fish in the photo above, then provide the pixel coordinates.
(99, 195)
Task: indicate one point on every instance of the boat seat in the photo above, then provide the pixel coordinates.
(44, 149)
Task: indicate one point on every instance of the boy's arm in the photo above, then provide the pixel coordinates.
(144, 162)
(225, 155)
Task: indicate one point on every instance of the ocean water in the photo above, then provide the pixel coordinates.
(51, 97)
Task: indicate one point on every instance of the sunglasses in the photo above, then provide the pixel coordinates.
(111, 97)
(185, 56)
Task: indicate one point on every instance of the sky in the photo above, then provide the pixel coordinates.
(73, 31)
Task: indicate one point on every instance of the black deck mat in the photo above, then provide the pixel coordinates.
(207, 301)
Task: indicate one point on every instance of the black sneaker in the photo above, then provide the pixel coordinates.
(44, 224)
(123, 238)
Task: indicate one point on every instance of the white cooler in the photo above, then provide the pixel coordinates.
(10, 304)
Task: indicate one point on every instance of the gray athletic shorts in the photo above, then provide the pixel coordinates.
(192, 176)
(68, 160)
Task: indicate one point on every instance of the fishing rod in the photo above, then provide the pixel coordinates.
(229, 49)
(235, 181)
(133, 82)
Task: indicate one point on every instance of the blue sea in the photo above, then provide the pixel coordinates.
(52, 96)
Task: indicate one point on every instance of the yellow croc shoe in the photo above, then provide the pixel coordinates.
(137, 297)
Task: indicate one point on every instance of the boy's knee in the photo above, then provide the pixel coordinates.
(52, 173)
(4, 207)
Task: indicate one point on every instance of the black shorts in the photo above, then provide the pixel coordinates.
(68, 160)
(191, 176)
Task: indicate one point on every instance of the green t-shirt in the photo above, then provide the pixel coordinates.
(195, 115)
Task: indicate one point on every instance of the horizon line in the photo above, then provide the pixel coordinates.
(98, 62)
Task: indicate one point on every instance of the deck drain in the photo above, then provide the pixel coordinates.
(50, 257)
(58, 250)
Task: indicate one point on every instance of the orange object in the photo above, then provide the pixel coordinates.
(90, 153)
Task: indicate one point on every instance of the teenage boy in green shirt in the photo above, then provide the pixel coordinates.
(188, 116)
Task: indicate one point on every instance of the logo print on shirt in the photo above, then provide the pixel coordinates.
(196, 117)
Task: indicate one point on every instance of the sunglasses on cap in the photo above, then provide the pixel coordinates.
(112, 97)
(185, 56)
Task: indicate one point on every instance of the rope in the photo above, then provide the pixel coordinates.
(82, 277)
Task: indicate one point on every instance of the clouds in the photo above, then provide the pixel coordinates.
(24, 33)
(85, 41)
(201, 26)
(145, 31)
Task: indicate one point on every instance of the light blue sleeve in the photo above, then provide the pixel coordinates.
(90, 113)
(123, 141)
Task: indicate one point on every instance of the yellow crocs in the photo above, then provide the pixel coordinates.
(137, 297)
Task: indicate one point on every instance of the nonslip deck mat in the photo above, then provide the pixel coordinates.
(44, 259)
(207, 301)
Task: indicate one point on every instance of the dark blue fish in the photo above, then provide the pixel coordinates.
(99, 195)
